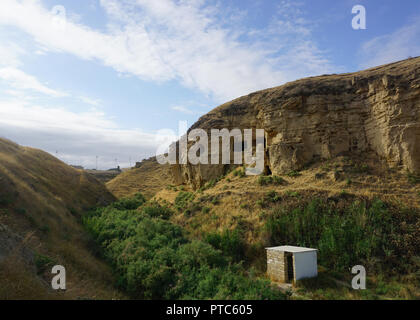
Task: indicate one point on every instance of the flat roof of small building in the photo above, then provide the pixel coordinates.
(291, 249)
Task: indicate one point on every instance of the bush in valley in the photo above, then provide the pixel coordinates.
(360, 233)
(230, 243)
(130, 203)
(155, 210)
(153, 259)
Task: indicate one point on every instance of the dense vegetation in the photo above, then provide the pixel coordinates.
(153, 259)
(381, 237)
(156, 259)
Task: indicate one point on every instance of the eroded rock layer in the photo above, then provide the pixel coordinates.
(371, 111)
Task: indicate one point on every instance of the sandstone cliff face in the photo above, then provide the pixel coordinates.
(372, 111)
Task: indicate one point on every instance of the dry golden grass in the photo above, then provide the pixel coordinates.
(42, 197)
(148, 179)
(18, 282)
(103, 175)
(237, 197)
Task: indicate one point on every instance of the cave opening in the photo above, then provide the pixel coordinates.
(267, 170)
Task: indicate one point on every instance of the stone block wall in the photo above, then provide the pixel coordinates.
(277, 265)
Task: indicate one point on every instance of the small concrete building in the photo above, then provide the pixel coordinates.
(289, 263)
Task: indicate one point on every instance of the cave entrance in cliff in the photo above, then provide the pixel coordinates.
(267, 170)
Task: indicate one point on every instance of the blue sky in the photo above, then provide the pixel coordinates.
(87, 78)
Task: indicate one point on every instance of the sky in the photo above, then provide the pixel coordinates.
(107, 79)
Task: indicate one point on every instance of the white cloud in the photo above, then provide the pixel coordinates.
(92, 102)
(183, 110)
(9, 54)
(153, 40)
(78, 137)
(398, 45)
(290, 19)
(125, 54)
(18, 79)
(15, 78)
(167, 40)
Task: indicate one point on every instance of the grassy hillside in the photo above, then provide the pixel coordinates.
(41, 199)
(355, 211)
(149, 178)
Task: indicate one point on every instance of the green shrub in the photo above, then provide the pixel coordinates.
(267, 180)
(293, 174)
(205, 210)
(210, 184)
(269, 197)
(272, 196)
(183, 199)
(155, 210)
(239, 173)
(290, 193)
(231, 243)
(261, 203)
(215, 201)
(356, 234)
(412, 178)
(154, 260)
(42, 262)
(192, 208)
(130, 203)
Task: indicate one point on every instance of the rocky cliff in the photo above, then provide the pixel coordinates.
(373, 111)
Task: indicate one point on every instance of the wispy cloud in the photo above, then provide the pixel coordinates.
(184, 110)
(18, 79)
(184, 40)
(90, 101)
(192, 42)
(78, 137)
(398, 45)
(10, 54)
